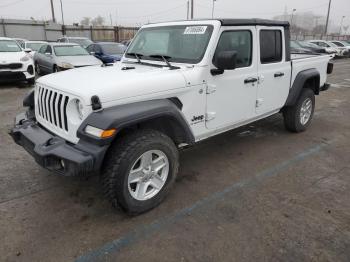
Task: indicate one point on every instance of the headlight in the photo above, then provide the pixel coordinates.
(66, 65)
(25, 58)
(75, 111)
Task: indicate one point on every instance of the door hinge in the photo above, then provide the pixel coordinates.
(210, 116)
(259, 102)
(211, 89)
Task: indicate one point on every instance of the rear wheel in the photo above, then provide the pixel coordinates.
(298, 117)
(139, 170)
(55, 69)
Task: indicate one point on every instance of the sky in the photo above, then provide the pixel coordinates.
(138, 12)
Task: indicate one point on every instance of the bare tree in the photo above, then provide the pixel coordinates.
(86, 21)
(98, 21)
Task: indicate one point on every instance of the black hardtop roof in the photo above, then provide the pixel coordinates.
(253, 21)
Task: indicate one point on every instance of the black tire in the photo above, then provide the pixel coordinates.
(55, 69)
(31, 81)
(119, 161)
(292, 114)
(37, 69)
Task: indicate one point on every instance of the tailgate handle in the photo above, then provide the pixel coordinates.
(250, 80)
(279, 74)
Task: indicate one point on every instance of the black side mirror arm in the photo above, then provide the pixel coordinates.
(217, 71)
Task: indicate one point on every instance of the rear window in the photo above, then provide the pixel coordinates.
(270, 46)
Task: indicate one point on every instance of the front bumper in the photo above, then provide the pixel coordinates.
(53, 152)
(17, 74)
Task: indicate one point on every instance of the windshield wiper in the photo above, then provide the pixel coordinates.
(137, 56)
(166, 60)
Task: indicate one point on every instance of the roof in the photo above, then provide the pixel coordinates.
(75, 37)
(63, 44)
(107, 43)
(6, 38)
(33, 42)
(238, 22)
(253, 21)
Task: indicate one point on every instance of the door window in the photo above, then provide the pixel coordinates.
(270, 46)
(239, 41)
(42, 49)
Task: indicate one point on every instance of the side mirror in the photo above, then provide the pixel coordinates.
(27, 50)
(92, 53)
(225, 60)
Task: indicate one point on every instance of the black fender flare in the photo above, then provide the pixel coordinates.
(123, 116)
(299, 83)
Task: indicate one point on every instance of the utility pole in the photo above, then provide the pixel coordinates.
(188, 9)
(291, 20)
(62, 12)
(329, 8)
(192, 9)
(341, 24)
(53, 12)
(110, 18)
(212, 10)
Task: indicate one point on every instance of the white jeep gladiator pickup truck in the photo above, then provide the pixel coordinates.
(178, 83)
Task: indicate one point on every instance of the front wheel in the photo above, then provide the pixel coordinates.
(298, 117)
(139, 170)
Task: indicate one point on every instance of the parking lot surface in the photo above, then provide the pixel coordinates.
(258, 193)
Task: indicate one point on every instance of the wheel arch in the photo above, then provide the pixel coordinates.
(163, 115)
(309, 78)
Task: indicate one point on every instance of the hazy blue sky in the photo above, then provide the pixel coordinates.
(135, 12)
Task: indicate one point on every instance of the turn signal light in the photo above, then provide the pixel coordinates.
(100, 133)
(108, 133)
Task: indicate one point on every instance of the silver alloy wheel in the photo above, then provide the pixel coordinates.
(148, 175)
(306, 111)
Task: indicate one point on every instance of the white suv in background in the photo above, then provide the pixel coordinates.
(330, 47)
(15, 63)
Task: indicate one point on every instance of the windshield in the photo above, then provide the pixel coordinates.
(70, 50)
(34, 46)
(113, 49)
(294, 44)
(81, 41)
(9, 46)
(182, 43)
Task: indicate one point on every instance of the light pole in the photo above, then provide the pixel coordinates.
(62, 12)
(212, 10)
(291, 19)
(341, 24)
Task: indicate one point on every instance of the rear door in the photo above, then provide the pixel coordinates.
(47, 59)
(231, 95)
(274, 70)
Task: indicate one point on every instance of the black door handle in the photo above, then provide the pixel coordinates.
(279, 74)
(250, 80)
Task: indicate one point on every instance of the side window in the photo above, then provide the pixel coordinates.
(48, 49)
(270, 46)
(90, 48)
(240, 41)
(98, 49)
(42, 49)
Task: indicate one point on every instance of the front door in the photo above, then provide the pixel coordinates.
(274, 70)
(231, 96)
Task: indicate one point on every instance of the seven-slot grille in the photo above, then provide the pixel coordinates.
(52, 107)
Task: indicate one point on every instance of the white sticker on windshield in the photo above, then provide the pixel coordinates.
(195, 30)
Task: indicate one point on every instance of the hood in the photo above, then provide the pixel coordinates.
(84, 60)
(111, 83)
(10, 57)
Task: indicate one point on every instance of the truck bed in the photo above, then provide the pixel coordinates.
(302, 62)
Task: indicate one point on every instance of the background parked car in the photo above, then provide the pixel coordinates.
(83, 41)
(20, 41)
(107, 52)
(34, 46)
(343, 44)
(54, 57)
(15, 63)
(126, 42)
(314, 48)
(330, 47)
